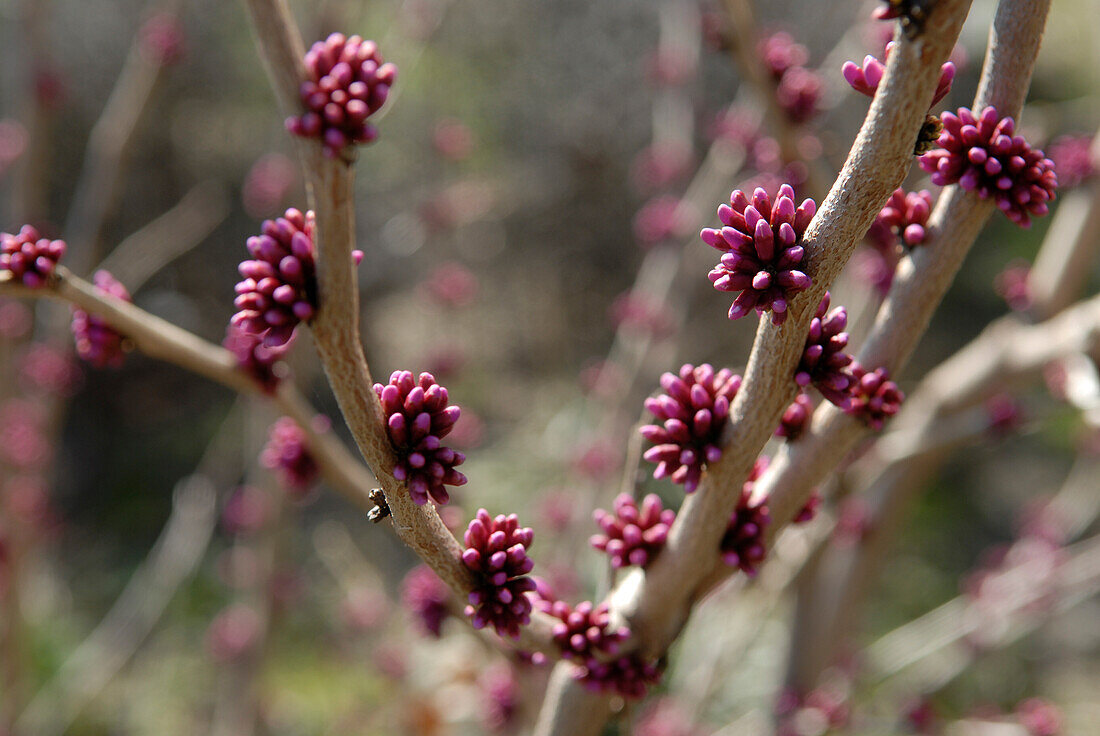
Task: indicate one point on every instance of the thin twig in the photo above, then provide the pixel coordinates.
(141, 255)
(160, 339)
(102, 655)
(104, 158)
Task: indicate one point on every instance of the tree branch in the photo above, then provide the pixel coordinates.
(162, 340)
(656, 602)
(336, 325)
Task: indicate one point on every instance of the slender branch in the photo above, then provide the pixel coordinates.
(336, 325)
(137, 258)
(102, 655)
(1070, 247)
(110, 139)
(1078, 579)
(742, 26)
(161, 339)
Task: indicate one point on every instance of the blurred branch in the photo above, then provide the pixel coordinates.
(30, 196)
(1069, 249)
(173, 558)
(154, 246)
(104, 158)
(938, 631)
(744, 37)
(656, 602)
(163, 340)
(336, 325)
(1006, 353)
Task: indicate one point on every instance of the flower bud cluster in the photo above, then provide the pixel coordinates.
(584, 636)
(874, 398)
(426, 595)
(496, 552)
(633, 535)
(287, 454)
(96, 341)
(981, 154)
(29, 257)
(347, 83)
(417, 419)
(905, 216)
(693, 411)
(798, 89)
(762, 251)
(743, 543)
(824, 361)
(865, 79)
(279, 289)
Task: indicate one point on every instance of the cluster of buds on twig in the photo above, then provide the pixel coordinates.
(348, 82)
(29, 257)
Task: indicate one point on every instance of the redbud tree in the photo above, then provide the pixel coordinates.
(702, 533)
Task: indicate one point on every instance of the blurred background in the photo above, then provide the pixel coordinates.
(529, 216)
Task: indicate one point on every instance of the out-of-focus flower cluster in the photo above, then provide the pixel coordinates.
(96, 341)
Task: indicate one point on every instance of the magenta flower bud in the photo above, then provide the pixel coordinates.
(796, 418)
(904, 217)
(287, 454)
(873, 397)
(96, 341)
(865, 79)
(686, 440)
(762, 266)
(502, 698)
(161, 39)
(423, 593)
(1040, 717)
(641, 314)
(799, 94)
(347, 83)
(823, 360)
(417, 418)
(661, 219)
(633, 535)
(982, 154)
(496, 553)
(1011, 284)
(743, 543)
(1072, 157)
(781, 53)
(808, 511)
(234, 632)
(29, 257)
